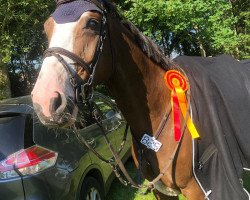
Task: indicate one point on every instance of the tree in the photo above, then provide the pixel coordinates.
(4, 82)
(240, 9)
(188, 27)
(22, 40)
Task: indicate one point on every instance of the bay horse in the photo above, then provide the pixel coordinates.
(89, 41)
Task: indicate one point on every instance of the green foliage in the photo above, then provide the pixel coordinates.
(102, 89)
(21, 27)
(190, 27)
(22, 41)
(4, 83)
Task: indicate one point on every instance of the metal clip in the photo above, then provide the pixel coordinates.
(72, 81)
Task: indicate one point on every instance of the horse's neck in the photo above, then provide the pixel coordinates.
(138, 87)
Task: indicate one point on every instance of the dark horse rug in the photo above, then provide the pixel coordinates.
(220, 99)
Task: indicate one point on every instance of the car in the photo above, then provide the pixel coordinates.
(42, 163)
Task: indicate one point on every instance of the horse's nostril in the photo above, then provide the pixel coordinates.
(56, 102)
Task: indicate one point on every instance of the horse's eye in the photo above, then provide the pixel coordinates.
(92, 23)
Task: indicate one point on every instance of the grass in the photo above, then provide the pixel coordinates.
(246, 180)
(121, 192)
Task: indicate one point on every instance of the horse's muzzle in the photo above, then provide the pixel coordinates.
(62, 112)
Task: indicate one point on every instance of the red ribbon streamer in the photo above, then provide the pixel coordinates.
(176, 115)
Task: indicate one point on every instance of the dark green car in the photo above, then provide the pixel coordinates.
(40, 163)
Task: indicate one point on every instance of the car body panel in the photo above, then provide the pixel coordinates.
(11, 189)
(74, 162)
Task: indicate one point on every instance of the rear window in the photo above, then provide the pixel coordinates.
(16, 132)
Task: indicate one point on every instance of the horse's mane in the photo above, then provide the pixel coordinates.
(146, 44)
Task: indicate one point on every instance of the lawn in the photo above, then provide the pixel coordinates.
(120, 192)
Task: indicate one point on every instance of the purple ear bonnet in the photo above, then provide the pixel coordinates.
(72, 11)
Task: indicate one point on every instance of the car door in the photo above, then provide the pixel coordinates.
(91, 132)
(112, 120)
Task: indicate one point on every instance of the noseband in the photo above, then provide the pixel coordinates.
(82, 88)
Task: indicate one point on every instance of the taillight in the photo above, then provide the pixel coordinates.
(27, 161)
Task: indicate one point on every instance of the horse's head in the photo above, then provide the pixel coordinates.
(76, 32)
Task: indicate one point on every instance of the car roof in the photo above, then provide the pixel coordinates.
(24, 104)
(17, 105)
(18, 100)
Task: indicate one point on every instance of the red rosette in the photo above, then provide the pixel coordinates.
(175, 79)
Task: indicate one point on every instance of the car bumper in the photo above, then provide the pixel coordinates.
(11, 189)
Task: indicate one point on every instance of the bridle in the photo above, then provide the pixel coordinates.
(81, 88)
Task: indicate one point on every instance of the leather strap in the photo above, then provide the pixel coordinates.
(58, 50)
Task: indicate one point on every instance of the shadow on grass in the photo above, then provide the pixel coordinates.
(121, 192)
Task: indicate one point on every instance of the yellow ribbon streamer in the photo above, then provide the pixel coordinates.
(184, 107)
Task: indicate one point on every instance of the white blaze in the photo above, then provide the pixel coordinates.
(52, 71)
(53, 77)
(63, 35)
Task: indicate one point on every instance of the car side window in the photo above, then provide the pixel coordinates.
(107, 109)
(85, 117)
